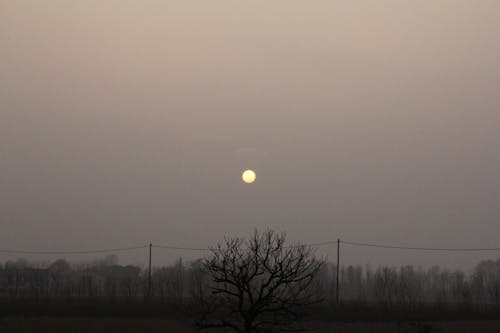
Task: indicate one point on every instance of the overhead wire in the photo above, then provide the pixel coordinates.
(119, 249)
(182, 248)
(396, 247)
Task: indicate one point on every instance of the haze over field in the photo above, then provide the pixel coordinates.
(129, 122)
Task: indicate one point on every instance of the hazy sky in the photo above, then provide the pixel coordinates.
(129, 122)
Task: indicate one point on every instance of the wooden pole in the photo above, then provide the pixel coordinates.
(149, 271)
(338, 270)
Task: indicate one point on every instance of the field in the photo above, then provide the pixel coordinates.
(155, 317)
(19, 324)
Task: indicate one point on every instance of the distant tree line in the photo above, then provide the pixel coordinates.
(385, 286)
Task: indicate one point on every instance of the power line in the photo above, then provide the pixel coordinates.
(120, 249)
(181, 248)
(384, 246)
(322, 243)
(209, 249)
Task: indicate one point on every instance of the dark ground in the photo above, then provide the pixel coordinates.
(154, 317)
(19, 324)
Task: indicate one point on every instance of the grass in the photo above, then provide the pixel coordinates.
(20, 324)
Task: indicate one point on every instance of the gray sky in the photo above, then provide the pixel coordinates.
(125, 122)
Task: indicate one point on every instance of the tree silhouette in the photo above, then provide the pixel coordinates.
(259, 284)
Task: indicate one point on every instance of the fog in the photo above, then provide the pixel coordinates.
(129, 122)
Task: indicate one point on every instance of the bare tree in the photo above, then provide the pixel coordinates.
(259, 284)
(385, 285)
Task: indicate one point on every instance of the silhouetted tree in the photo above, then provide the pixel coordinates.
(486, 281)
(385, 285)
(259, 284)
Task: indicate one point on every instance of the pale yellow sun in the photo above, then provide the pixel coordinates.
(248, 176)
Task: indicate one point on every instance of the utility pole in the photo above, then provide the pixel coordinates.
(338, 270)
(149, 271)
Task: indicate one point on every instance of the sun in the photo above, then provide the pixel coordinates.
(248, 176)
